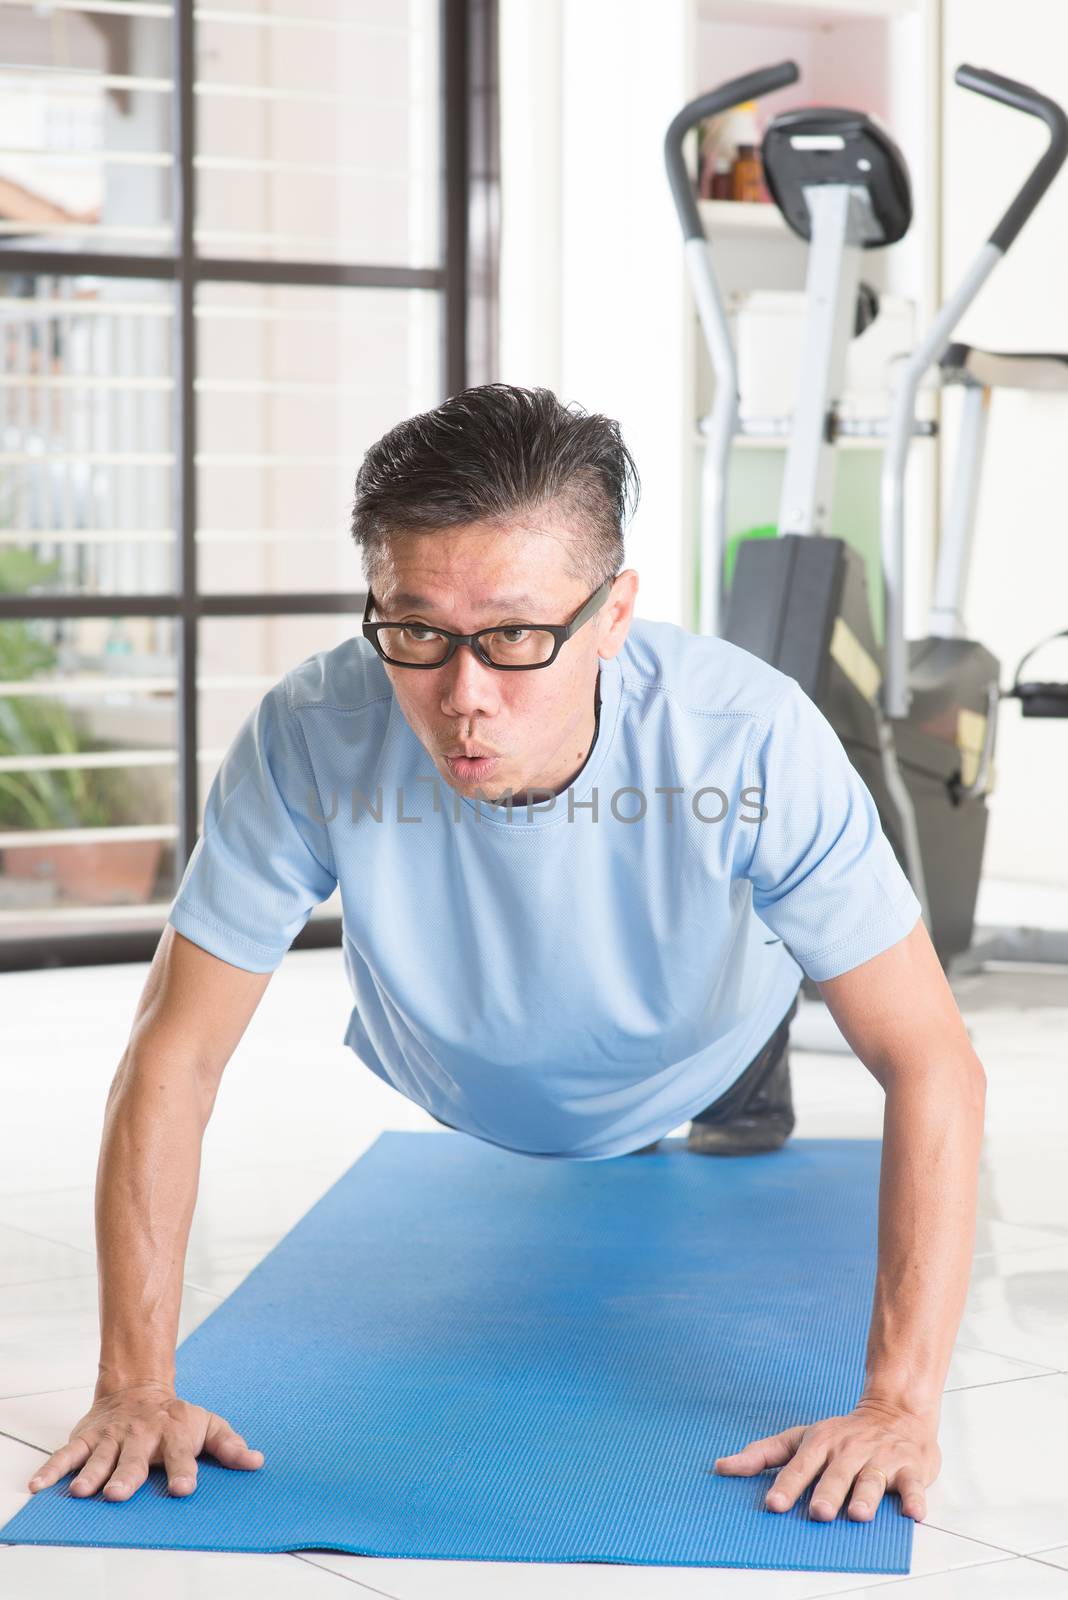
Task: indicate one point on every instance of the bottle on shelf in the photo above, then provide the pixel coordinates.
(730, 167)
(747, 175)
(722, 179)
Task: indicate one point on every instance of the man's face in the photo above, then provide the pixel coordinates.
(536, 725)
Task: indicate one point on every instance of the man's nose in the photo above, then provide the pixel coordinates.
(469, 684)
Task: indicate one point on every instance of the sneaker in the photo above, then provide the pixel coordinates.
(646, 1149)
(745, 1136)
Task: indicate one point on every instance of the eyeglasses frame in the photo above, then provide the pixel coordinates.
(561, 632)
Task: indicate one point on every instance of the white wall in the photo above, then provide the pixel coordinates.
(1019, 586)
(593, 280)
(530, 66)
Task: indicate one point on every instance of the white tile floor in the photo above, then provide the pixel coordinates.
(292, 1116)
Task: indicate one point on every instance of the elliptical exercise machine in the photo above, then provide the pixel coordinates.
(918, 718)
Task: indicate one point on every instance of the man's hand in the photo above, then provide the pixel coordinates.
(876, 1447)
(129, 1430)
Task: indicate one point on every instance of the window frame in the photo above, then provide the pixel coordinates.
(468, 108)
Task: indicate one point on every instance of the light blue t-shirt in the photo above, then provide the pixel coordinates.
(574, 976)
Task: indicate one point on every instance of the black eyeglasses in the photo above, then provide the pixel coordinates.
(516, 648)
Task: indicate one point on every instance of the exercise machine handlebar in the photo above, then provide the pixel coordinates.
(723, 418)
(750, 86)
(1021, 97)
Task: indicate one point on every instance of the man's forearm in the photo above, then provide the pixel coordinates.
(146, 1192)
(932, 1133)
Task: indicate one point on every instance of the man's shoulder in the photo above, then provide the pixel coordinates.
(349, 677)
(701, 673)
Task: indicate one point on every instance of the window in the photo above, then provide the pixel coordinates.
(236, 245)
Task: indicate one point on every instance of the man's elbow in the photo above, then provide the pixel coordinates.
(955, 1073)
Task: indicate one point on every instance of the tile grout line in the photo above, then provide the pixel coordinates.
(46, 1238)
(58, 1188)
(38, 1394)
(986, 1544)
(999, 1383)
(1046, 1548)
(1003, 1554)
(981, 1350)
(15, 1437)
(909, 1577)
(302, 1555)
(67, 1277)
(187, 1283)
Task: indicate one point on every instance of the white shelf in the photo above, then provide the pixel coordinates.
(794, 13)
(851, 442)
(742, 217)
(755, 442)
(744, 441)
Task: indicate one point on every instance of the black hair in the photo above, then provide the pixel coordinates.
(491, 453)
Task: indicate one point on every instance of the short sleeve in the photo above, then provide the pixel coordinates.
(825, 877)
(263, 860)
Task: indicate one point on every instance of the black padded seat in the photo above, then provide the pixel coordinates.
(1005, 369)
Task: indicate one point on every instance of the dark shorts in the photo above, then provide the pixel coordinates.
(772, 1051)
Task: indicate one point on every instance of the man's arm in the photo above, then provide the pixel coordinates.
(190, 1018)
(898, 1014)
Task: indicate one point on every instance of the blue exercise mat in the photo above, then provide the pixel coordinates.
(461, 1353)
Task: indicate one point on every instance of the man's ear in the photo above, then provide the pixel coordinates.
(620, 609)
